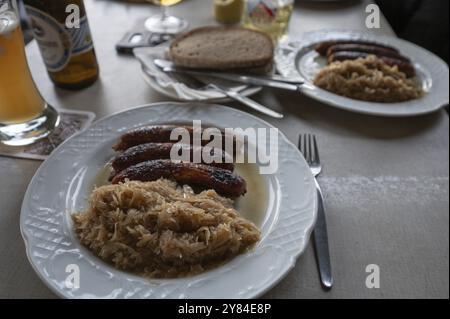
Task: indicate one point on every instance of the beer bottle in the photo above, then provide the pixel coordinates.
(62, 32)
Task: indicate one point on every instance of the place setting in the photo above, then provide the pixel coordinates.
(191, 198)
(311, 64)
(278, 227)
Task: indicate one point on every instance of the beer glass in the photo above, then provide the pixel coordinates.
(271, 17)
(163, 22)
(24, 115)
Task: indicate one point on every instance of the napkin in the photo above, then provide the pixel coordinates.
(147, 55)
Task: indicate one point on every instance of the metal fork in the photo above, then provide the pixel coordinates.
(307, 144)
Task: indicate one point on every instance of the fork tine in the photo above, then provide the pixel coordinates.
(316, 150)
(302, 146)
(305, 146)
(300, 143)
(310, 151)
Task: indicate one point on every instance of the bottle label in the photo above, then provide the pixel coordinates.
(56, 42)
(81, 37)
(262, 11)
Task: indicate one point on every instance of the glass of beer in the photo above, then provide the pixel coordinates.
(24, 115)
(163, 22)
(271, 17)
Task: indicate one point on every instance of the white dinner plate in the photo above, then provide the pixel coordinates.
(171, 87)
(298, 59)
(62, 185)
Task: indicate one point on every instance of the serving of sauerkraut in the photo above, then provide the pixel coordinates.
(161, 230)
(368, 79)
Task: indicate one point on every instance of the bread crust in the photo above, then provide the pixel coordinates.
(205, 62)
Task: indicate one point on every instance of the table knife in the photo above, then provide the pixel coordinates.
(278, 83)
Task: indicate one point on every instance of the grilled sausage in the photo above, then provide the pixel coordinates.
(207, 177)
(152, 151)
(322, 48)
(364, 48)
(405, 67)
(152, 134)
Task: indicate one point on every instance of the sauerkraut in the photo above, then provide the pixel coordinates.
(368, 79)
(161, 230)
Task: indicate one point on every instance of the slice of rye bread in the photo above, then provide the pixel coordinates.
(223, 48)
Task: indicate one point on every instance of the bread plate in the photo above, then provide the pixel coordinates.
(298, 59)
(56, 254)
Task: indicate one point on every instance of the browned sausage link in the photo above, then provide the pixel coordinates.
(403, 66)
(151, 134)
(222, 181)
(147, 134)
(322, 48)
(370, 49)
(152, 151)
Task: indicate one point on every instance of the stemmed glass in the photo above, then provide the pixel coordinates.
(163, 22)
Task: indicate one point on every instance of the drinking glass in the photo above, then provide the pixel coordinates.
(163, 22)
(24, 115)
(271, 17)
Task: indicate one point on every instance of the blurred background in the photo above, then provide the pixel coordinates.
(424, 22)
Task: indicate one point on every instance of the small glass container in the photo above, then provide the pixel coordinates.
(228, 11)
(269, 16)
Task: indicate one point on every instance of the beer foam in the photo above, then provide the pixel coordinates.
(8, 22)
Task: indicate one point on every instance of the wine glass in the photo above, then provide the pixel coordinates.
(163, 22)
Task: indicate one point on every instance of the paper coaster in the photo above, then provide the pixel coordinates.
(71, 122)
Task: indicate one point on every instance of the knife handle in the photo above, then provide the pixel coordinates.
(272, 83)
(321, 245)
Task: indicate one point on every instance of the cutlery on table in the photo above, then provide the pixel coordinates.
(200, 84)
(268, 81)
(307, 144)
